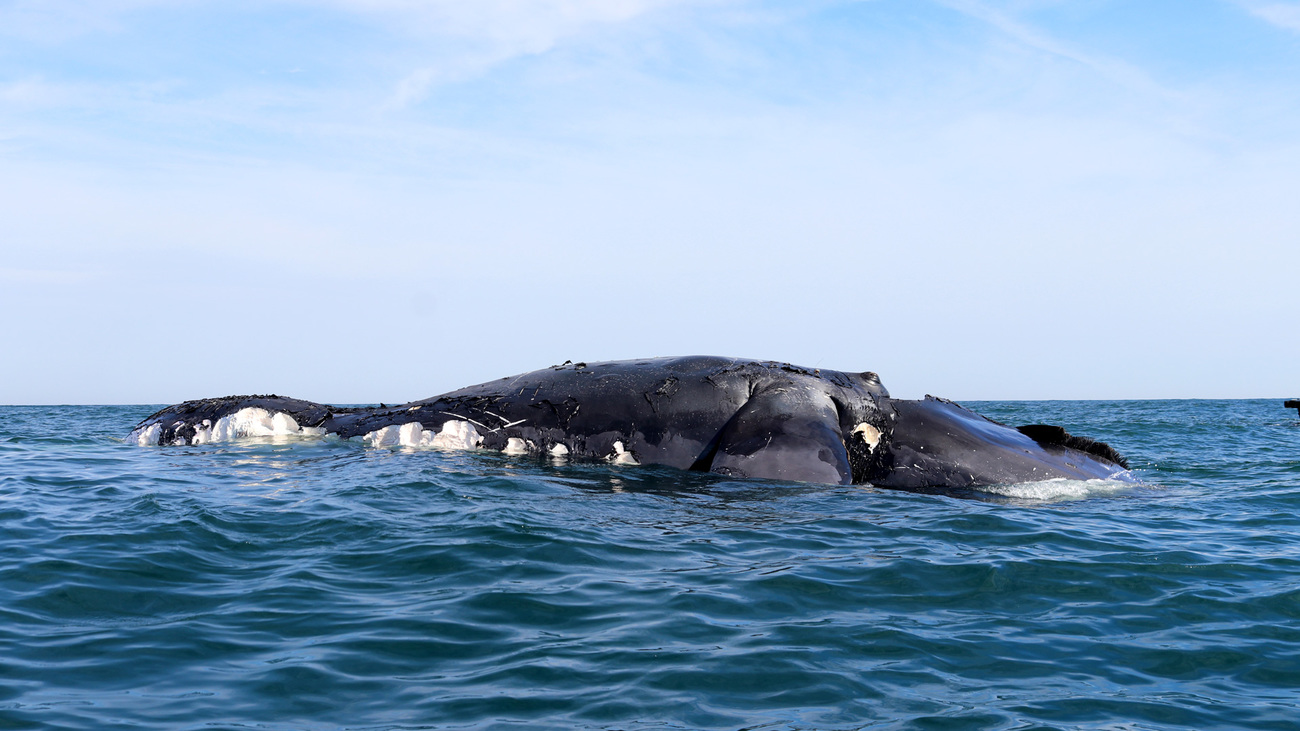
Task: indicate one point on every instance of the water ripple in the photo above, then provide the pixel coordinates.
(322, 585)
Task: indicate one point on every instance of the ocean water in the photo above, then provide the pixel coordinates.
(327, 585)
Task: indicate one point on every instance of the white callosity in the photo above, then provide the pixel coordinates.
(868, 434)
(515, 445)
(146, 437)
(256, 422)
(454, 435)
(386, 437)
(247, 422)
(410, 435)
(203, 432)
(621, 455)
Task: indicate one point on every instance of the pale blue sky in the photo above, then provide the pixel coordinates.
(366, 200)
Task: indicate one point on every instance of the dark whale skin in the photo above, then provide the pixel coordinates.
(936, 442)
(738, 417)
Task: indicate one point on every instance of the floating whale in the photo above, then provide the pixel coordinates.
(743, 418)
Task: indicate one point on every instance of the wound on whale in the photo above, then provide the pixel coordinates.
(737, 417)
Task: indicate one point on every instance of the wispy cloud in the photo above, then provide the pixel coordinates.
(1116, 70)
(528, 21)
(166, 149)
(456, 39)
(45, 276)
(1283, 15)
(531, 24)
(491, 32)
(59, 21)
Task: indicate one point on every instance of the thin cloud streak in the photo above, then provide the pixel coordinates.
(45, 276)
(494, 32)
(1115, 70)
(524, 26)
(462, 40)
(1282, 15)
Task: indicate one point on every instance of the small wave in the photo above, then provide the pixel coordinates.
(1060, 489)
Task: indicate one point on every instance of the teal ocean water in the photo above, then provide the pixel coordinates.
(326, 585)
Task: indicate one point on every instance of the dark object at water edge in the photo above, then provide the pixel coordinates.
(730, 416)
(1293, 404)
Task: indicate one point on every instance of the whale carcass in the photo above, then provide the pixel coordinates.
(738, 417)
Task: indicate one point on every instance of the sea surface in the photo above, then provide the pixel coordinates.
(318, 584)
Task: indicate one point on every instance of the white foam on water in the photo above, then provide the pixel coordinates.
(1060, 489)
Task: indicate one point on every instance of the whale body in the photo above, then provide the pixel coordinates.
(737, 417)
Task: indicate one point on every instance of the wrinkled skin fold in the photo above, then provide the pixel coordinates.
(743, 418)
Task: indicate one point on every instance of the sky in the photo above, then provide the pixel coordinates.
(354, 201)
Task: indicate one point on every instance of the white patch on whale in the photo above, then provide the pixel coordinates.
(454, 434)
(621, 455)
(202, 432)
(253, 422)
(385, 437)
(869, 434)
(250, 421)
(146, 436)
(559, 450)
(410, 435)
(515, 445)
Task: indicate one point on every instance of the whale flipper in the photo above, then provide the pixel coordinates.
(1049, 435)
(785, 434)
